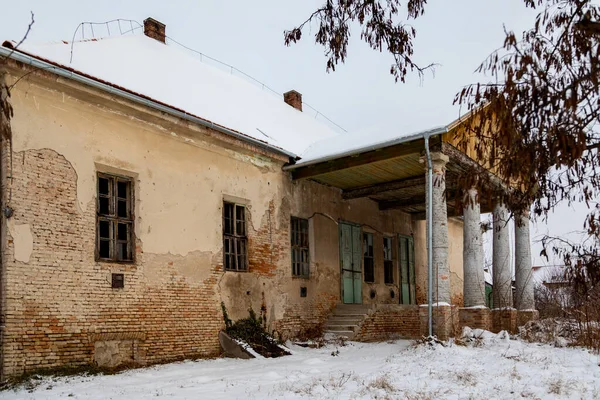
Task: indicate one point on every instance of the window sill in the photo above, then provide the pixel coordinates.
(109, 261)
(301, 277)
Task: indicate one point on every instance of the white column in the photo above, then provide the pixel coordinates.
(502, 273)
(524, 299)
(473, 279)
(441, 270)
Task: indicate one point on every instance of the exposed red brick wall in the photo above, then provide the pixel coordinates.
(307, 315)
(524, 316)
(504, 320)
(476, 318)
(61, 302)
(391, 320)
(445, 321)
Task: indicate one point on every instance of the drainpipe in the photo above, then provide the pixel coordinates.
(429, 216)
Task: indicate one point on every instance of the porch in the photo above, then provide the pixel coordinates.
(393, 175)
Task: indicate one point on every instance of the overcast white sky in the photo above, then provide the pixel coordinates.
(359, 95)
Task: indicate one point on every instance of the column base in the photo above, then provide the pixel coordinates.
(445, 321)
(504, 319)
(524, 316)
(475, 317)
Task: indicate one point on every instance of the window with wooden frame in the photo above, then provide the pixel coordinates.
(368, 257)
(300, 248)
(235, 250)
(114, 219)
(407, 270)
(388, 260)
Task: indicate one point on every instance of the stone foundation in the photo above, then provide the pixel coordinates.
(504, 319)
(524, 316)
(390, 320)
(475, 317)
(445, 321)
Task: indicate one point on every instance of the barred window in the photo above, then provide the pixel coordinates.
(235, 250)
(388, 261)
(114, 218)
(300, 248)
(368, 257)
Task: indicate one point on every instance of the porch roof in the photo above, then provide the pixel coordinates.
(391, 174)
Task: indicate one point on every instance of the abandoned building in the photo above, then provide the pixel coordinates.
(140, 194)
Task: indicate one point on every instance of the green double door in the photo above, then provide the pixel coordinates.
(351, 263)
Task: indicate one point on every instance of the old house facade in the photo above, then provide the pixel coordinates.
(133, 207)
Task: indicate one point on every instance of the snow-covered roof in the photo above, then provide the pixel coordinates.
(361, 141)
(178, 79)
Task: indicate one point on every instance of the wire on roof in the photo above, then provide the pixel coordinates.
(202, 56)
(82, 25)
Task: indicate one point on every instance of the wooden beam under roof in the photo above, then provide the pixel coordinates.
(422, 215)
(395, 151)
(383, 187)
(411, 201)
(396, 204)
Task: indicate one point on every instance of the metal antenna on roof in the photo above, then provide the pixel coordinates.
(105, 23)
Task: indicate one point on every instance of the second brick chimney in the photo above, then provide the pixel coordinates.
(155, 30)
(294, 99)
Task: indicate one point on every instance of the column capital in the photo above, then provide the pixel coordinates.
(438, 159)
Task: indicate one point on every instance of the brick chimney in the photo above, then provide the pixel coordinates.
(294, 99)
(155, 30)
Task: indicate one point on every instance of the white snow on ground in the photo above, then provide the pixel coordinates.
(492, 367)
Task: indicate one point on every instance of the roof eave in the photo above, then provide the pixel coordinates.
(419, 135)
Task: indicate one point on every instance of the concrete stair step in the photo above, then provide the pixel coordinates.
(347, 334)
(346, 319)
(341, 328)
(347, 313)
(340, 319)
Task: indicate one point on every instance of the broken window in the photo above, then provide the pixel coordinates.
(388, 261)
(407, 270)
(300, 249)
(368, 257)
(235, 250)
(114, 218)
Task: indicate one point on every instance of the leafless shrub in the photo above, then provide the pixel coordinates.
(466, 378)
(560, 387)
(382, 382)
(422, 395)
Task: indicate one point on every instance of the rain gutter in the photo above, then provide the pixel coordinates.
(34, 62)
(375, 146)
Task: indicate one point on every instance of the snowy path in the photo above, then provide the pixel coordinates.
(499, 369)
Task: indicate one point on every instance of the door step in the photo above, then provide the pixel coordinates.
(346, 320)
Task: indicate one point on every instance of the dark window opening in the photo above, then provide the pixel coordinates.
(368, 257)
(300, 247)
(118, 281)
(407, 293)
(388, 261)
(114, 219)
(235, 251)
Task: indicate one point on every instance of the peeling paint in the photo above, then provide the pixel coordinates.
(22, 240)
